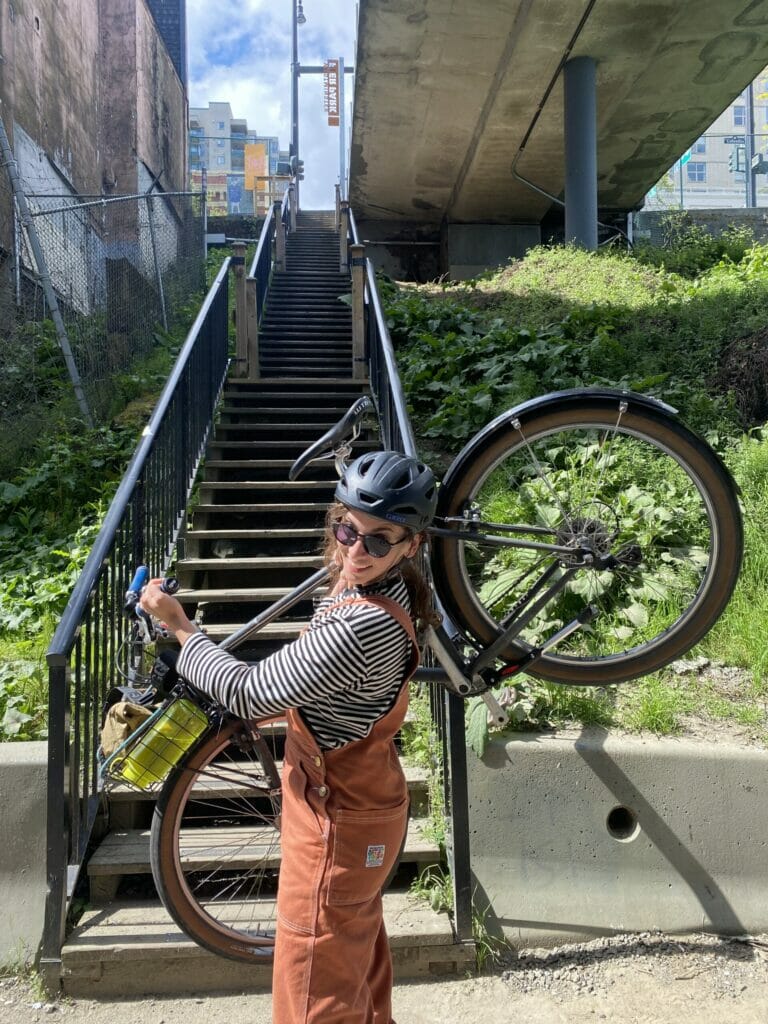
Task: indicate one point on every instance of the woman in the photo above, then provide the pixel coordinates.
(342, 687)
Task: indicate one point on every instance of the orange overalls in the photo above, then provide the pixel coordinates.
(344, 818)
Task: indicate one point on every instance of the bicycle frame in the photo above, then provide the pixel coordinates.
(465, 678)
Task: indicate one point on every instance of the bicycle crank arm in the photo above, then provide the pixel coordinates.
(426, 674)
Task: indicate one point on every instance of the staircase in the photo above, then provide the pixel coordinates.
(306, 328)
(252, 536)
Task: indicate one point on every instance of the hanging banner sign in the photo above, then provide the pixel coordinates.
(331, 91)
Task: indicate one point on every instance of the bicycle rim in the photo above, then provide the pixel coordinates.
(634, 485)
(215, 845)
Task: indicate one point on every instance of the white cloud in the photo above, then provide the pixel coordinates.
(240, 53)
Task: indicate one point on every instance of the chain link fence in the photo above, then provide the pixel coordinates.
(115, 272)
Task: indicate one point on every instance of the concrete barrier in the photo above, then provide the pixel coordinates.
(23, 768)
(593, 833)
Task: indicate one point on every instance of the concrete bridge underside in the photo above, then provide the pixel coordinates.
(457, 100)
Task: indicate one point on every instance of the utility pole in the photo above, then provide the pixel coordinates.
(298, 18)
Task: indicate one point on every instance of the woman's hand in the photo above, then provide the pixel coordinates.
(167, 609)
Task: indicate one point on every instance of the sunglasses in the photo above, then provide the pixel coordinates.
(375, 546)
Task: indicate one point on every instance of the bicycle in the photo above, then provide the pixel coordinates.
(585, 537)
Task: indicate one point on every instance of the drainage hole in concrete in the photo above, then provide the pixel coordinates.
(622, 824)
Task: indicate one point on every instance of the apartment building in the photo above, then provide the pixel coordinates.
(241, 167)
(727, 166)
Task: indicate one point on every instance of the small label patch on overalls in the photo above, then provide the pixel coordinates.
(374, 856)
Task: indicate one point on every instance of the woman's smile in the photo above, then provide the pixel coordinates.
(362, 569)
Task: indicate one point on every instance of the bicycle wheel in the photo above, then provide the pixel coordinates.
(613, 473)
(215, 845)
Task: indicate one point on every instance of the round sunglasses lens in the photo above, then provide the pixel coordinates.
(344, 534)
(377, 547)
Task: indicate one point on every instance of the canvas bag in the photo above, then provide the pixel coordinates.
(120, 721)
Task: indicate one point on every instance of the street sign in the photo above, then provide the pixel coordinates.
(734, 140)
(685, 157)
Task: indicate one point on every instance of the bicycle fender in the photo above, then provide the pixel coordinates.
(573, 396)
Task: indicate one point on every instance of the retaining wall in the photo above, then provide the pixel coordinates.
(23, 770)
(591, 834)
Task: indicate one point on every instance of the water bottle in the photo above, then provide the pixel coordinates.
(158, 750)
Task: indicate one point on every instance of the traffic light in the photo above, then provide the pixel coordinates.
(297, 168)
(737, 159)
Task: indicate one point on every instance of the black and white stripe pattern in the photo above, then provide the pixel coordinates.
(343, 674)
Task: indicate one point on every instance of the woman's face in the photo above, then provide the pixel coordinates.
(361, 569)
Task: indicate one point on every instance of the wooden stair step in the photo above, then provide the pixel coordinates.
(416, 778)
(257, 507)
(232, 594)
(135, 949)
(259, 534)
(255, 562)
(126, 852)
(289, 486)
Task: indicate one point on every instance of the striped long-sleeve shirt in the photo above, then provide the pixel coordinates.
(343, 673)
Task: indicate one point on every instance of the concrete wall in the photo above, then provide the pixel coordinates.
(417, 252)
(23, 771)
(597, 834)
(404, 251)
(49, 82)
(470, 249)
(648, 224)
(90, 81)
(161, 105)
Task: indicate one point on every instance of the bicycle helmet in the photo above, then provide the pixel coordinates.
(392, 486)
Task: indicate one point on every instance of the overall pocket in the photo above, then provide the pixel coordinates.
(366, 845)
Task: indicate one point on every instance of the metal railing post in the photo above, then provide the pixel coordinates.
(252, 318)
(358, 311)
(338, 207)
(241, 311)
(343, 232)
(279, 236)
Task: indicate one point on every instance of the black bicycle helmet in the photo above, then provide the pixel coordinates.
(390, 485)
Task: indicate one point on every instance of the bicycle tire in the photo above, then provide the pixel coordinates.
(621, 471)
(215, 844)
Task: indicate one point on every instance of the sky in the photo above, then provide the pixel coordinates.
(240, 53)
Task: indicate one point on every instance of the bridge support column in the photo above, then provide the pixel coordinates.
(580, 152)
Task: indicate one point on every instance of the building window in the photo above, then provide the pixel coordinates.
(221, 160)
(220, 125)
(700, 146)
(220, 143)
(697, 170)
(739, 116)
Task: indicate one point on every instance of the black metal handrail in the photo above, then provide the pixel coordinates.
(386, 387)
(447, 709)
(261, 265)
(141, 527)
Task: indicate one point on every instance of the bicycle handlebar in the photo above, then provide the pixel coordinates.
(132, 605)
(328, 442)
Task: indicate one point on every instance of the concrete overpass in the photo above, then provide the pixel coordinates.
(460, 117)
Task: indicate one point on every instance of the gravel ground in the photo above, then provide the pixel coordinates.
(625, 979)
